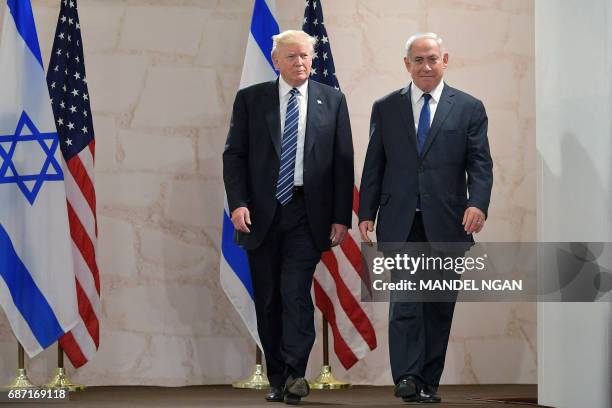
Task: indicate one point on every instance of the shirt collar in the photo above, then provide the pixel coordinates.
(284, 88)
(416, 92)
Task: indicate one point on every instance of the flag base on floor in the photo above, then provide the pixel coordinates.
(22, 381)
(61, 381)
(327, 381)
(257, 381)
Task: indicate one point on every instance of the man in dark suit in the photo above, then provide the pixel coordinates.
(428, 176)
(288, 173)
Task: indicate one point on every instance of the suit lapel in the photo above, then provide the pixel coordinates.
(444, 107)
(272, 113)
(405, 108)
(315, 102)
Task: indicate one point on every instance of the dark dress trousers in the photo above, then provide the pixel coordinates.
(286, 242)
(453, 172)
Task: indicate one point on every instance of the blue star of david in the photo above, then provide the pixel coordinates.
(6, 158)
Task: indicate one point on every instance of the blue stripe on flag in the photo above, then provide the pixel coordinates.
(263, 27)
(21, 10)
(234, 255)
(28, 299)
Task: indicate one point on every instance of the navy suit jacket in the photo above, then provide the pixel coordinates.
(455, 170)
(251, 160)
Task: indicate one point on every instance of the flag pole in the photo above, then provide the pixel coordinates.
(324, 71)
(258, 379)
(21, 381)
(61, 380)
(326, 380)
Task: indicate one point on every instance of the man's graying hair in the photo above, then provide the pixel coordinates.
(292, 37)
(420, 36)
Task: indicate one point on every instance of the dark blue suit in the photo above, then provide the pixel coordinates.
(286, 242)
(252, 152)
(454, 171)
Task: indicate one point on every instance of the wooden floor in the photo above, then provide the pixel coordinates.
(464, 396)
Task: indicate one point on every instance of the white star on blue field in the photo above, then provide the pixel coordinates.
(29, 182)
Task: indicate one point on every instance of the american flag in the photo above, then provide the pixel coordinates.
(338, 278)
(70, 100)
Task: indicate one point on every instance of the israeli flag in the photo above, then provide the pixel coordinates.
(258, 67)
(37, 282)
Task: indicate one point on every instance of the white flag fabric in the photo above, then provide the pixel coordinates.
(37, 282)
(234, 270)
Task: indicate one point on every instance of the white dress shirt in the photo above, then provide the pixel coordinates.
(416, 97)
(284, 90)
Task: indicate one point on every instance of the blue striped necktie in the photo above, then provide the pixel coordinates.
(284, 185)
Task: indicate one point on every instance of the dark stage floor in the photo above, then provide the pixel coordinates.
(463, 396)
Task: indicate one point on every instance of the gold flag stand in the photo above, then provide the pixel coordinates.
(326, 380)
(258, 380)
(61, 380)
(21, 381)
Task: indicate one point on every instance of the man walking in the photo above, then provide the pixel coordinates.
(288, 173)
(427, 177)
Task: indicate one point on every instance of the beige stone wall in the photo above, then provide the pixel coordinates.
(162, 77)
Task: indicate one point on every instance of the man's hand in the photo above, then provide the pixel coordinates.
(241, 218)
(364, 228)
(338, 232)
(473, 220)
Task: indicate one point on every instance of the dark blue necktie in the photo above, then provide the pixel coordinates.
(284, 185)
(423, 130)
(424, 119)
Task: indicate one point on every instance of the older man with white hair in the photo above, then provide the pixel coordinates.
(288, 173)
(427, 177)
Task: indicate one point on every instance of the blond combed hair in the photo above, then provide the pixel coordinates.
(292, 37)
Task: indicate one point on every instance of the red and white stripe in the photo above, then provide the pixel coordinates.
(81, 343)
(337, 289)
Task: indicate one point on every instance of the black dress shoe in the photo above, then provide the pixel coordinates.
(297, 386)
(275, 395)
(292, 399)
(407, 390)
(428, 395)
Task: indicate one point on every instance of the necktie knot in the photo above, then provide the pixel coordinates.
(294, 92)
(426, 96)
